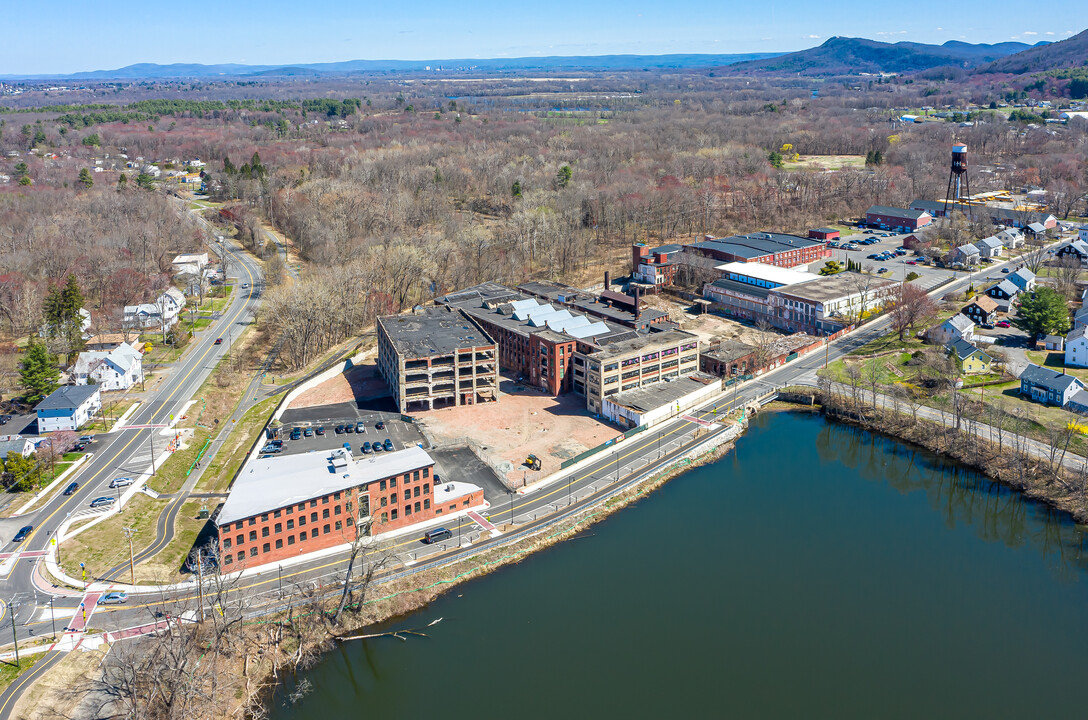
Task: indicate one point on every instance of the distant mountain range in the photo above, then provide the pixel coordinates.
(1071, 52)
(849, 56)
(152, 71)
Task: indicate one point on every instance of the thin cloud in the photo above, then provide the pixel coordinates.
(1029, 32)
(1049, 33)
(814, 37)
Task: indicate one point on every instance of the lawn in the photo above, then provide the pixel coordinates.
(112, 409)
(1056, 361)
(826, 162)
(167, 563)
(104, 546)
(9, 670)
(883, 365)
(233, 452)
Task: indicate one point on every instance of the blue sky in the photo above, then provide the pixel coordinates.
(122, 32)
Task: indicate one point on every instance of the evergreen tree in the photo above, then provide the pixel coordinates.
(515, 189)
(775, 158)
(228, 166)
(85, 178)
(122, 182)
(1044, 312)
(39, 372)
(562, 178)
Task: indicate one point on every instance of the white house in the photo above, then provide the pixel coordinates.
(1010, 237)
(957, 327)
(117, 369)
(990, 247)
(191, 263)
(1082, 233)
(16, 444)
(966, 254)
(68, 408)
(1076, 347)
(163, 311)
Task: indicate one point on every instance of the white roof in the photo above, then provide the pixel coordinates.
(1076, 333)
(968, 249)
(597, 328)
(770, 273)
(960, 322)
(279, 481)
(991, 242)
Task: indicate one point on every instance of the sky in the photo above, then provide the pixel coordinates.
(98, 36)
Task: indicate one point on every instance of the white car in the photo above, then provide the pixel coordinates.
(120, 482)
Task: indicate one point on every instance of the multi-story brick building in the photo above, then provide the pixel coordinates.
(628, 364)
(435, 357)
(654, 266)
(898, 219)
(763, 247)
(286, 506)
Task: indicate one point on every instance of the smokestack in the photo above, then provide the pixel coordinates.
(636, 304)
(607, 280)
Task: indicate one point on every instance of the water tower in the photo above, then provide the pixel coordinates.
(959, 185)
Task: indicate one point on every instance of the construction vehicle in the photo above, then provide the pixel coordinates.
(532, 462)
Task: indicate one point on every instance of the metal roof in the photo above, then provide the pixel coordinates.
(903, 213)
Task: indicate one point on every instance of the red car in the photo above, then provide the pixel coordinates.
(911, 262)
(219, 341)
(1004, 324)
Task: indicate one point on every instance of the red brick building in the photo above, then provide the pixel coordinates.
(287, 506)
(898, 219)
(776, 249)
(824, 234)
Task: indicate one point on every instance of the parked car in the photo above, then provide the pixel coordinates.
(911, 262)
(272, 449)
(380, 425)
(120, 482)
(366, 448)
(71, 489)
(245, 285)
(882, 270)
(1005, 270)
(349, 428)
(1004, 324)
(339, 430)
(103, 502)
(376, 447)
(986, 326)
(320, 430)
(388, 444)
(308, 432)
(23, 534)
(86, 438)
(436, 535)
(296, 434)
(113, 598)
(79, 447)
(219, 341)
(360, 427)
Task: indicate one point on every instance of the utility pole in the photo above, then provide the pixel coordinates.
(53, 617)
(152, 438)
(200, 582)
(11, 610)
(131, 561)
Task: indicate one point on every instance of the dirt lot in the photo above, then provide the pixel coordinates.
(523, 421)
(708, 327)
(359, 383)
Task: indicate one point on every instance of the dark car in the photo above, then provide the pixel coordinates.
(388, 444)
(79, 447)
(360, 427)
(219, 341)
(436, 535)
(71, 489)
(296, 434)
(308, 432)
(376, 447)
(366, 448)
(349, 428)
(320, 430)
(339, 430)
(275, 443)
(23, 533)
(380, 425)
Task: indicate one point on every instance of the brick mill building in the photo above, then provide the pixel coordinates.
(283, 507)
(777, 249)
(436, 357)
(898, 219)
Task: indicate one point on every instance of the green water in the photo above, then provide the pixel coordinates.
(816, 571)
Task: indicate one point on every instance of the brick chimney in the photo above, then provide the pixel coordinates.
(636, 304)
(607, 280)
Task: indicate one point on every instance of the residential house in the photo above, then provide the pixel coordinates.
(1082, 234)
(1036, 229)
(1078, 249)
(69, 407)
(990, 247)
(163, 312)
(17, 444)
(1080, 318)
(1010, 237)
(117, 369)
(1076, 347)
(105, 341)
(190, 264)
(982, 310)
(1023, 279)
(971, 360)
(1003, 292)
(966, 255)
(957, 327)
(1047, 386)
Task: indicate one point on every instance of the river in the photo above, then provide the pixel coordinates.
(816, 571)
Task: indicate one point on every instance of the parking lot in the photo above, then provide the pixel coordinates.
(897, 268)
(328, 417)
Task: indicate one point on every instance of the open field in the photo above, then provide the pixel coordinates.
(523, 421)
(826, 162)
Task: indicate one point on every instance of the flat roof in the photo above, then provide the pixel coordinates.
(896, 212)
(831, 287)
(744, 288)
(729, 350)
(669, 337)
(651, 397)
(278, 481)
(433, 331)
(758, 244)
(770, 273)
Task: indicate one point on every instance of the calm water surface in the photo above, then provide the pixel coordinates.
(816, 571)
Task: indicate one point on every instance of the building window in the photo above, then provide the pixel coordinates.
(302, 536)
(339, 526)
(290, 510)
(327, 529)
(384, 503)
(253, 551)
(279, 544)
(407, 494)
(417, 491)
(381, 485)
(426, 504)
(336, 510)
(252, 535)
(417, 507)
(279, 528)
(226, 543)
(238, 525)
(290, 539)
(313, 517)
(301, 506)
(241, 556)
(264, 517)
(276, 514)
(253, 521)
(426, 488)
(325, 514)
(227, 560)
(336, 496)
(266, 548)
(313, 503)
(264, 531)
(301, 520)
(393, 513)
(290, 524)
(465, 503)
(239, 539)
(350, 521)
(407, 510)
(325, 500)
(385, 518)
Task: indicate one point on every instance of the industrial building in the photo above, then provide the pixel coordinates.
(436, 357)
(628, 364)
(898, 219)
(615, 307)
(828, 304)
(763, 247)
(660, 401)
(654, 266)
(282, 507)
